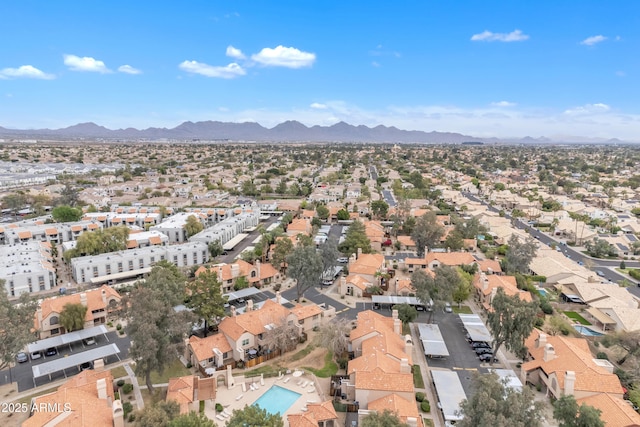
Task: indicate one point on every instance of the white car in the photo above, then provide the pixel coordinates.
(447, 308)
(343, 260)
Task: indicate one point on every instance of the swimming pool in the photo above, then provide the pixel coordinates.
(277, 400)
(587, 331)
(542, 292)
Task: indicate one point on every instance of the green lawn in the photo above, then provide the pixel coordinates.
(578, 318)
(427, 422)
(463, 309)
(267, 370)
(418, 382)
(176, 369)
(302, 353)
(330, 367)
(119, 372)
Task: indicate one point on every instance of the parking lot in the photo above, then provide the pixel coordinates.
(23, 375)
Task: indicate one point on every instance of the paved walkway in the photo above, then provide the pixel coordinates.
(136, 386)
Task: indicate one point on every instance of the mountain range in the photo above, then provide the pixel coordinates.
(289, 131)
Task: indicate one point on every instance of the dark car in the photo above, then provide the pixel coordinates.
(51, 352)
(487, 358)
(86, 365)
(483, 350)
(22, 357)
(480, 344)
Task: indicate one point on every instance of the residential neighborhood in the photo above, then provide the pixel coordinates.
(327, 284)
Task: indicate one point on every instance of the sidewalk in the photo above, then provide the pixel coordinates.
(136, 386)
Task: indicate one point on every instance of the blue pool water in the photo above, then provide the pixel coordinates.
(542, 292)
(587, 331)
(277, 399)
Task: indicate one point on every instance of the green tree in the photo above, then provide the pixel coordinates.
(205, 298)
(16, 321)
(282, 187)
(470, 228)
(254, 415)
(192, 419)
(519, 255)
(384, 419)
(406, 313)
(567, 412)
(305, 267)
(193, 225)
(101, 241)
(496, 404)
(156, 330)
(354, 239)
(69, 195)
(599, 248)
(323, 212)
(215, 249)
(241, 283)
(329, 254)
(343, 215)
(437, 289)
(454, 241)
(426, 233)
(334, 336)
(66, 214)
(379, 208)
(160, 413)
(511, 321)
(462, 291)
(72, 316)
(282, 249)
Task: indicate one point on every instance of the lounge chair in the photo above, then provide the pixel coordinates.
(226, 413)
(220, 417)
(311, 390)
(286, 380)
(240, 396)
(304, 384)
(299, 382)
(311, 401)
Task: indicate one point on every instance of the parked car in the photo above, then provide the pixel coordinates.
(22, 357)
(327, 282)
(51, 351)
(480, 344)
(36, 355)
(343, 260)
(487, 358)
(86, 365)
(447, 307)
(599, 273)
(483, 350)
(89, 341)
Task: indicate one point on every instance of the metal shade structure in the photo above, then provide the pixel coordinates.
(450, 393)
(67, 339)
(475, 327)
(63, 363)
(432, 341)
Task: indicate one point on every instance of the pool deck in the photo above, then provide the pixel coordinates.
(228, 398)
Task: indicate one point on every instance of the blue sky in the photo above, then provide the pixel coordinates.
(483, 68)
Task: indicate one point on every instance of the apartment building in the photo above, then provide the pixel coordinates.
(131, 263)
(228, 228)
(100, 303)
(27, 267)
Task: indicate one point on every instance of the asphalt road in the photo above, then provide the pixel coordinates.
(23, 375)
(388, 197)
(373, 172)
(605, 266)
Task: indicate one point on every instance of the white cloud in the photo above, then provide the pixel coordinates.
(86, 63)
(25, 71)
(375, 64)
(281, 56)
(503, 104)
(318, 106)
(227, 72)
(588, 109)
(128, 69)
(488, 36)
(235, 53)
(590, 41)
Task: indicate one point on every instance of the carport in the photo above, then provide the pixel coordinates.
(450, 393)
(67, 339)
(432, 342)
(392, 300)
(72, 360)
(475, 327)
